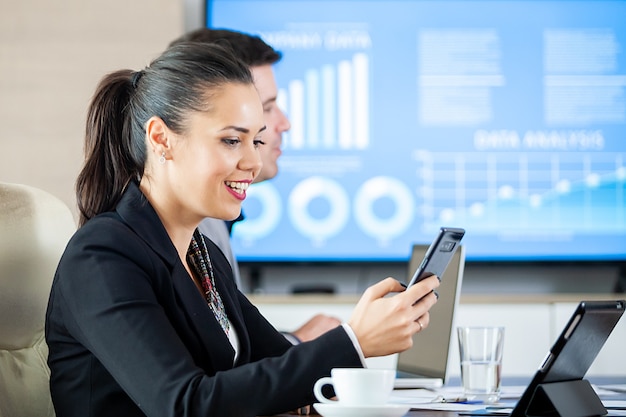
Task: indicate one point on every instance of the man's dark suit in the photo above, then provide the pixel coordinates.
(130, 334)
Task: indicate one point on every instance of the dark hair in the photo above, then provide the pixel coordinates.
(250, 49)
(180, 81)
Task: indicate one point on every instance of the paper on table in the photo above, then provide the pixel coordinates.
(512, 392)
(488, 412)
(448, 406)
(607, 389)
(615, 407)
(421, 399)
(405, 396)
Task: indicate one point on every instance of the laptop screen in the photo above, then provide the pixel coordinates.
(431, 347)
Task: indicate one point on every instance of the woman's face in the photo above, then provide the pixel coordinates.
(218, 157)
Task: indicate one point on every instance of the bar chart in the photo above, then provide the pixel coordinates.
(329, 107)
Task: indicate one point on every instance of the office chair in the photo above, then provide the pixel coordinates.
(34, 229)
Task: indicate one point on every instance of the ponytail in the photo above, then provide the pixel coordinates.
(108, 165)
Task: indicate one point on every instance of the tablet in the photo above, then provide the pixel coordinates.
(559, 380)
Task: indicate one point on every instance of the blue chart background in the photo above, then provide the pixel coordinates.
(519, 198)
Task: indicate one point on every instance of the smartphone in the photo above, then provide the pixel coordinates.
(439, 254)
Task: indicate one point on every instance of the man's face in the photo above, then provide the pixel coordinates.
(275, 121)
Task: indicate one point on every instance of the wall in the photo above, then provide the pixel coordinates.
(52, 55)
(596, 278)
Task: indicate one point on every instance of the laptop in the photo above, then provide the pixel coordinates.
(425, 365)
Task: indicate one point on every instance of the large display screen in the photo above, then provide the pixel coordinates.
(505, 118)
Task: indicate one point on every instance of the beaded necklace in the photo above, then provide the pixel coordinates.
(200, 262)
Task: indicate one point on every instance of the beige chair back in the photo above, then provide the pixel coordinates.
(34, 229)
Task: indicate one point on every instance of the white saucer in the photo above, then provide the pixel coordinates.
(336, 410)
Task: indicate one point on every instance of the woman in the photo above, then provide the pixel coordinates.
(144, 317)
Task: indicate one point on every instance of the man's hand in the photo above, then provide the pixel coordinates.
(316, 326)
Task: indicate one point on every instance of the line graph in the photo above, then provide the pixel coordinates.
(495, 191)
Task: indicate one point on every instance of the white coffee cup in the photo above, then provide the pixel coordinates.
(357, 386)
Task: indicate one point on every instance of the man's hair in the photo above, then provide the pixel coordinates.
(250, 49)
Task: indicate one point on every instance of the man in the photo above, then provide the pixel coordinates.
(260, 57)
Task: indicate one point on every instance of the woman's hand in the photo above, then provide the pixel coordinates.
(385, 325)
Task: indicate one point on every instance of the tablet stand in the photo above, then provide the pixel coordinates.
(565, 399)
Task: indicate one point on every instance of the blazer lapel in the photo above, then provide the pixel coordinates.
(214, 345)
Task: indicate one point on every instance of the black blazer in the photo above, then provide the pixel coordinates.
(130, 334)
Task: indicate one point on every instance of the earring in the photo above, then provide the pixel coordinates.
(162, 158)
